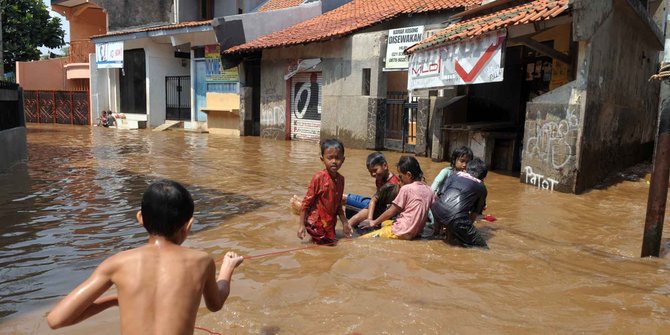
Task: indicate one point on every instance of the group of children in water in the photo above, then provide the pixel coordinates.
(159, 285)
(402, 205)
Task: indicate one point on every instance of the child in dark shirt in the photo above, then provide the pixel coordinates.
(460, 199)
(378, 168)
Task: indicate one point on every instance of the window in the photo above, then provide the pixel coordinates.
(206, 9)
(366, 82)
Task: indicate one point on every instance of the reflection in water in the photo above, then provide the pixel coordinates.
(558, 263)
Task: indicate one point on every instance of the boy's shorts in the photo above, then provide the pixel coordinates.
(358, 201)
(464, 233)
(385, 232)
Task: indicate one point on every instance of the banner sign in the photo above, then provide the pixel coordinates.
(214, 72)
(474, 61)
(399, 40)
(109, 55)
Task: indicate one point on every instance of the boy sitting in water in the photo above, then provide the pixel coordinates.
(460, 199)
(371, 208)
(159, 285)
(323, 202)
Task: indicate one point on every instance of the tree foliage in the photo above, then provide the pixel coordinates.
(27, 25)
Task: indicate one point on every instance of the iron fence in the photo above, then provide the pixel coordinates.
(63, 107)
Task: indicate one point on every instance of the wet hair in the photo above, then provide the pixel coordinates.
(461, 152)
(166, 207)
(374, 159)
(331, 143)
(477, 168)
(410, 164)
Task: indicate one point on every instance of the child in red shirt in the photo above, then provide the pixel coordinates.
(323, 202)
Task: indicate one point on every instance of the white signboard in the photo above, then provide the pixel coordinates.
(400, 39)
(109, 55)
(473, 61)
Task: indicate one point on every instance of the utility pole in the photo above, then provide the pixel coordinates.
(658, 188)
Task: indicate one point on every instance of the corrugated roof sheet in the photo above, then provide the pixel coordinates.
(155, 28)
(279, 4)
(346, 19)
(532, 11)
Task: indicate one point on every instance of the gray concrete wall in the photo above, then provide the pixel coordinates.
(122, 14)
(13, 147)
(273, 98)
(344, 108)
(621, 104)
(234, 30)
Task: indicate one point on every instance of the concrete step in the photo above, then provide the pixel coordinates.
(168, 124)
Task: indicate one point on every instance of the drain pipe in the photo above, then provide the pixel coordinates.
(658, 188)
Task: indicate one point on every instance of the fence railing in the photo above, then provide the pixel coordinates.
(63, 107)
(11, 109)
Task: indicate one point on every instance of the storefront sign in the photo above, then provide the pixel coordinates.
(399, 40)
(109, 55)
(474, 61)
(214, 72)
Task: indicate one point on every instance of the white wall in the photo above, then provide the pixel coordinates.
(160, 62)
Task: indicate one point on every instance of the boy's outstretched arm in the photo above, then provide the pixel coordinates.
(83, 301)
(392, 211)
(216, 291)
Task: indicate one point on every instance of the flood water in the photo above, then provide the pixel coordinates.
(558, 263)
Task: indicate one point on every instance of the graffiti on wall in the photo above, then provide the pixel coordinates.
(273, 121)
(553, 141)
(542, 182)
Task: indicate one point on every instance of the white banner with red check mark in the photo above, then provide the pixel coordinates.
(474, 61)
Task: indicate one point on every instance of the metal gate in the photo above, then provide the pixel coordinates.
(306, 98)
(63, 107)
(178, 98)
(400, 129)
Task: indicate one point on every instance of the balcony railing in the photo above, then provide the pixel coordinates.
(79, 51)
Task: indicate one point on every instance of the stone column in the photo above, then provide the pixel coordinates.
(376, 123)
(422, 124)
(246, 110)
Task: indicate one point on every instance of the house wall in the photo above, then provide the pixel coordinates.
(621, 104)
(344, 108)
(92, 21)
(43, 75)
(160, 62)
(122, 14)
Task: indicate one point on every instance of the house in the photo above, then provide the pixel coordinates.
(162, 65)
(555, 89)
(64, 82)
(330, 76)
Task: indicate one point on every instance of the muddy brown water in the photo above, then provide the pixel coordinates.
(558, 263)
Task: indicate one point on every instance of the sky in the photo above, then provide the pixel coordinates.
(64, 24)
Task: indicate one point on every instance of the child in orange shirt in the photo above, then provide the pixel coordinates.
(323, 202)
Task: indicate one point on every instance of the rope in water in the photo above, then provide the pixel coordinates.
(272, 253)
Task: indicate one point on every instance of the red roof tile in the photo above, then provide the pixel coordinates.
(346, 19)
(154, 28)
(279, 4)
(532, 11)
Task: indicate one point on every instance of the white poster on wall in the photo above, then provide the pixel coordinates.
(109, 55)
(400, 39)
(473, 61)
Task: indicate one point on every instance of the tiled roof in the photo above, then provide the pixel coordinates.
(154, 28)
(346, 19)
(532, 11)
(279, 4)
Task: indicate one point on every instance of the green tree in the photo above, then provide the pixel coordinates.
(27, 25)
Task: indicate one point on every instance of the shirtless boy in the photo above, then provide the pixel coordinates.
(159, 285)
